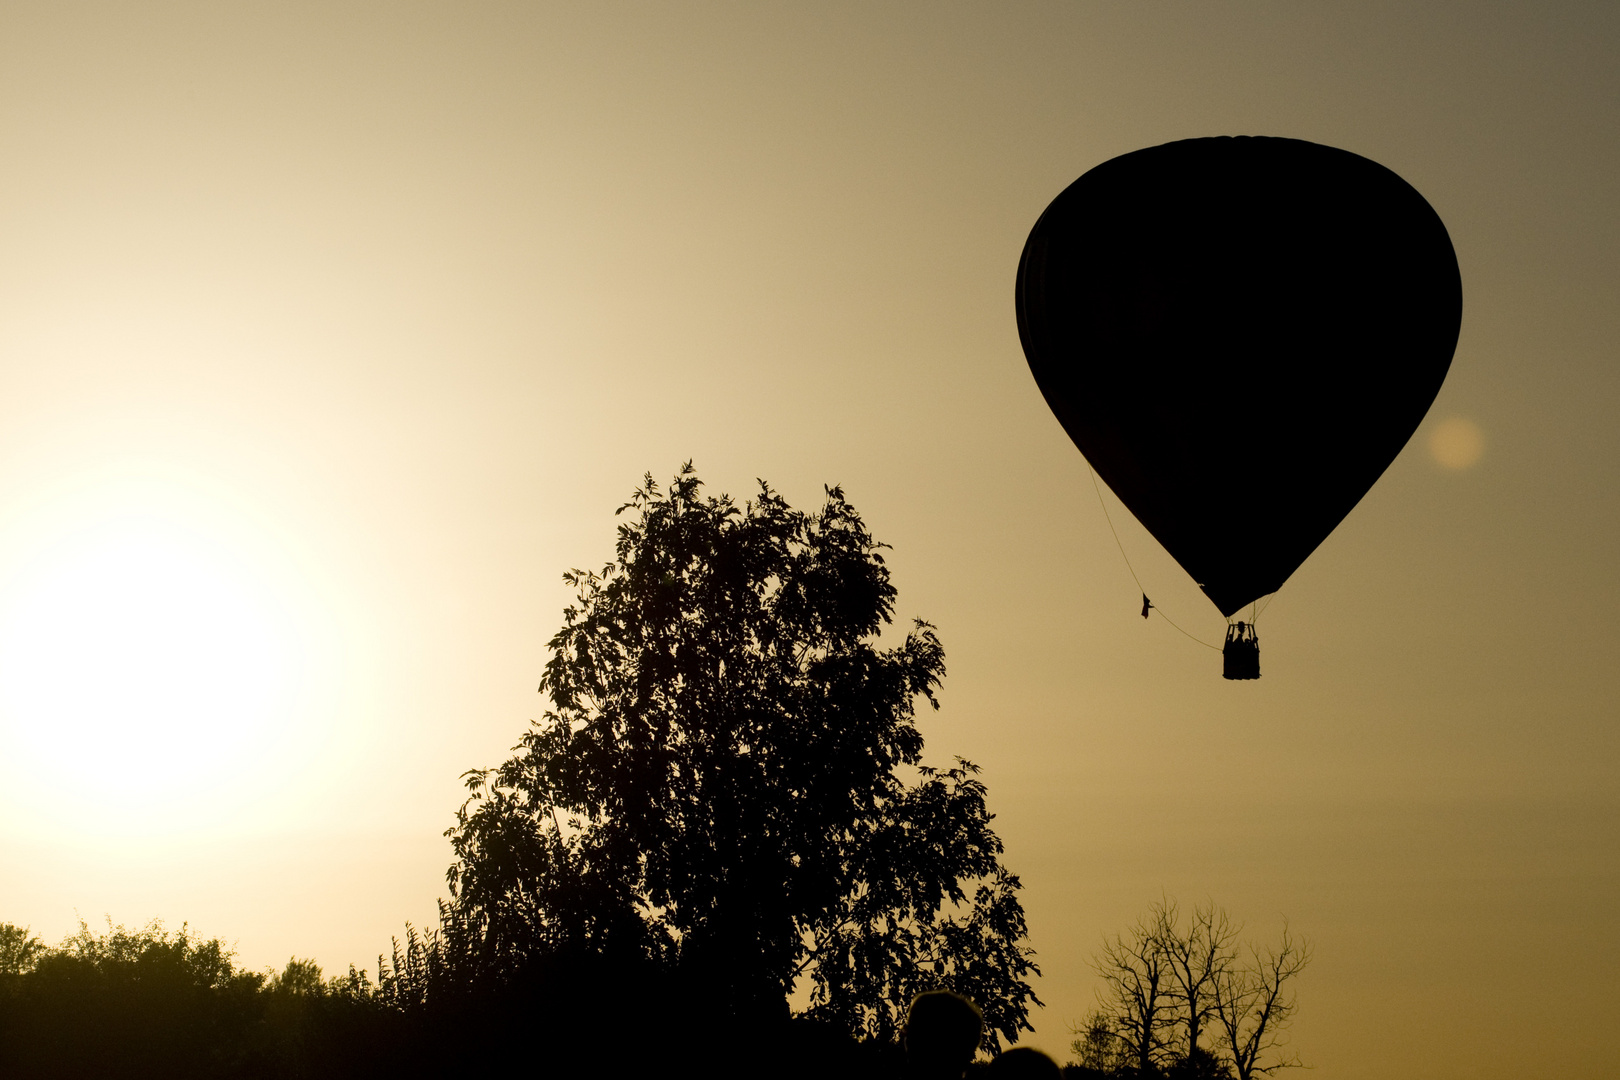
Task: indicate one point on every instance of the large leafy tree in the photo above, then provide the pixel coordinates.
(728, 785)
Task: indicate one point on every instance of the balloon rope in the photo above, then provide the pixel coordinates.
(1150, 606)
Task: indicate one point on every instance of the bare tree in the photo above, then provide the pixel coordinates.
(1138, 994)
(1254, 1003)
(1198, 959)
(1171, 986)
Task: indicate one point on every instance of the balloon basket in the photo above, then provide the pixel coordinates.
(1241, 657)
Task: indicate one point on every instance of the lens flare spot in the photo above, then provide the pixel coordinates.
(1457, 444)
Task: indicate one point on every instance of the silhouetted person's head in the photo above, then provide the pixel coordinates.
(1024, 1063)
(942, 1034)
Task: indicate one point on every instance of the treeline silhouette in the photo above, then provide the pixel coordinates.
(725, 803)
(151, 1002)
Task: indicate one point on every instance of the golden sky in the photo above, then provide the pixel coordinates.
(351, 324)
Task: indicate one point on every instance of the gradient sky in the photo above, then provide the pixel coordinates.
(346, 327)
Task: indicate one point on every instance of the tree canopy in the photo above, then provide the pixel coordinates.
(729, 787)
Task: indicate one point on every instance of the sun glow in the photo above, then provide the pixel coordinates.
(156, 672)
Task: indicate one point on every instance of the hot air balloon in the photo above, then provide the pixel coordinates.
(1240, 335)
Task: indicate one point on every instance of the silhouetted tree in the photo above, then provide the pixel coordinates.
(728, 786)
(1200, 1064)
(1200, 956)
(1254, 1002)
(1166, 983)
(146, 1002)
(19, 950)
(1097, 1048)
(1138, 997)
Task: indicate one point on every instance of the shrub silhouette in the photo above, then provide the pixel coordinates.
(145, 1002)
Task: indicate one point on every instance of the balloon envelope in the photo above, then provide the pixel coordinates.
(1239, 334)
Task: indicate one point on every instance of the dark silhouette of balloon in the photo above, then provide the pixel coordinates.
(1239, 334)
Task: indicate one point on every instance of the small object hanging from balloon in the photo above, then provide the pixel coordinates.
(1239, 335)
